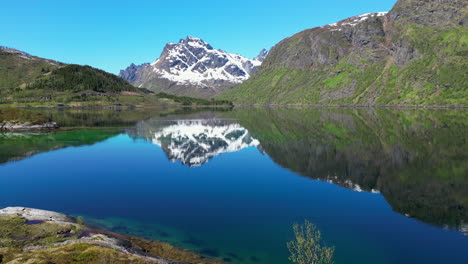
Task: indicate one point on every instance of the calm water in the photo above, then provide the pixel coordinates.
(383, 186)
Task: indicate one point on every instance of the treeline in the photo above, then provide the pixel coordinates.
(76, 78)
(185, 100)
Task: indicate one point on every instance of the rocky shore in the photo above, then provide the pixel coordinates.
(30, 235)
(17, 119)
(26, 126)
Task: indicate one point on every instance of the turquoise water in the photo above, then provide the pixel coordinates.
(382, 186)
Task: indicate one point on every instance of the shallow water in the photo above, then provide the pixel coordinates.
(383, 186)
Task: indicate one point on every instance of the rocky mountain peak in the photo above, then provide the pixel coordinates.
(131, 73)
(192, 64)
(195, 42)
(262, 55)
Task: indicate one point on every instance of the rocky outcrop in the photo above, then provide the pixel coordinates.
(26, 126)
(36, 214)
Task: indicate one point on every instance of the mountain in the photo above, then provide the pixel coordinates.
(192, 67)
(22, 71)
(416, 54)
(17, 68)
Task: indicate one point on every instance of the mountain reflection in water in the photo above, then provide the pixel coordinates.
(195, 142)
(415, 158)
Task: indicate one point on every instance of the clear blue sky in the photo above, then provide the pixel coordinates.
(112, 34)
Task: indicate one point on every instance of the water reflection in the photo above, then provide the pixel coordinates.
(195, 142)
(416, 159)
(18, 146)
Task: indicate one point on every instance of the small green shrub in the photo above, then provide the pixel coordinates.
(307, 247)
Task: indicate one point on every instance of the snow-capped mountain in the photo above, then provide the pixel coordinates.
(192, 67)
(195, 142)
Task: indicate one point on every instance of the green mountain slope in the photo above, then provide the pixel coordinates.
(76, 78)
(18, 68)
(21, 71)
(414, 55)
(28, 80)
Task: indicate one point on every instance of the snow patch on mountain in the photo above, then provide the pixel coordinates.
(355, 20)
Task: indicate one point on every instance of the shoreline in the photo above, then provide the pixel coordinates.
(117, 107)
(355, 106)
(51, 125)
(241, 105)
(51, 234)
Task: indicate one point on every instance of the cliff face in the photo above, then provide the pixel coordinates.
(437, 13)
(413, 55)
(327, 45)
